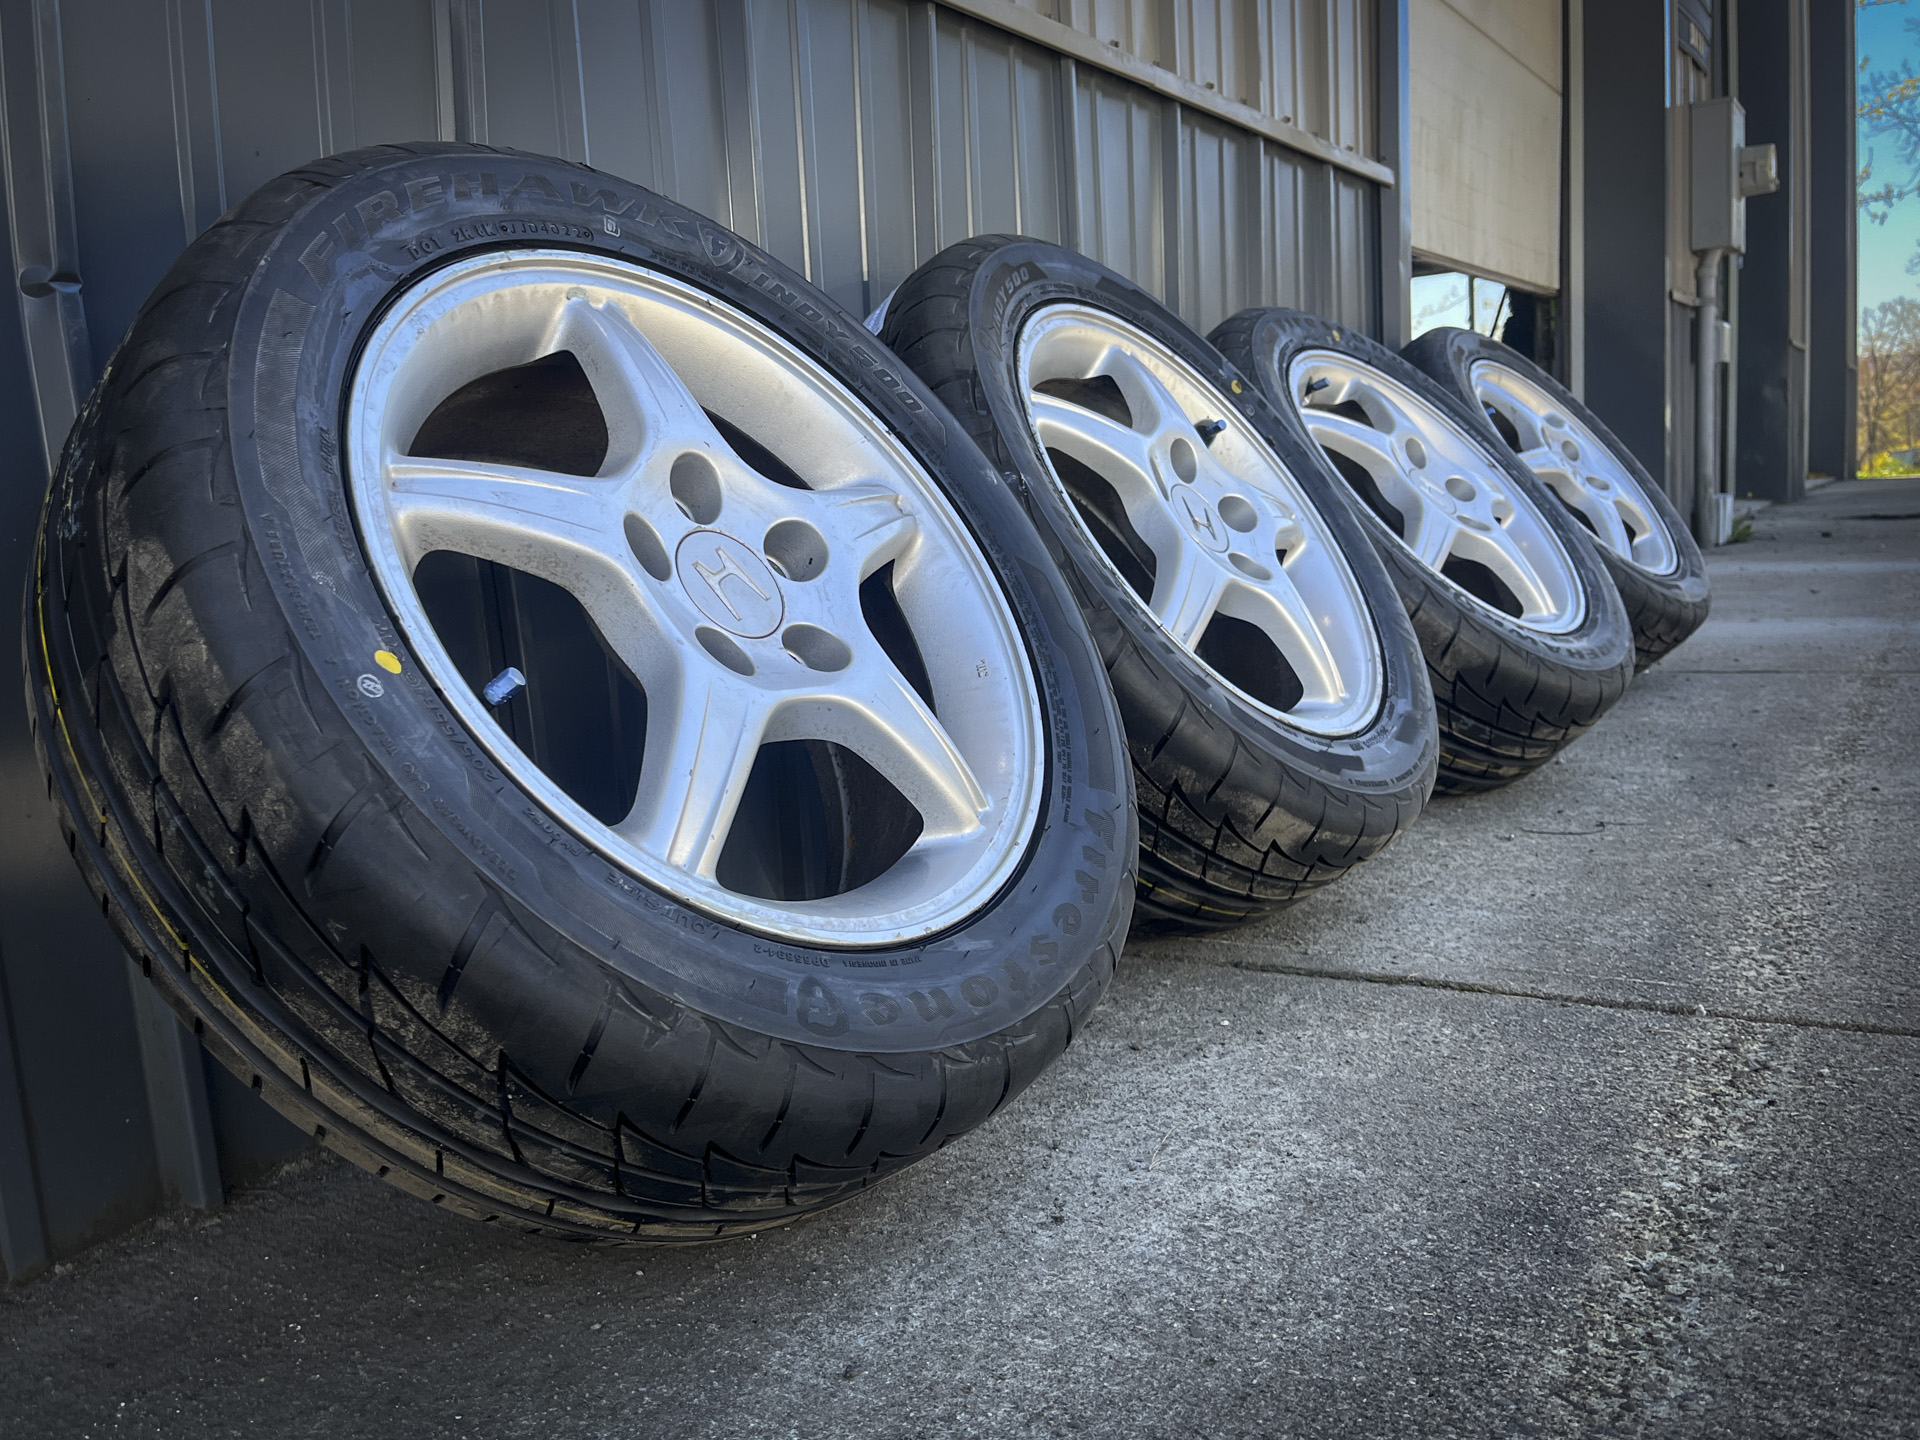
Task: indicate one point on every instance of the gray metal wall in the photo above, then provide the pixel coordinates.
(1222, 152)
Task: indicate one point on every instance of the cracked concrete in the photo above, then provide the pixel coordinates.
(1590, 1108)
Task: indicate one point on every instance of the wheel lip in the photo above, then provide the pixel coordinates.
(1014, 822)
(1369, 696)
(1618, 473)
(1572, 611)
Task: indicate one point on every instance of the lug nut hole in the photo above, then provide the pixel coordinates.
(1181, 455)
(1416, 453)
(817, 649)
(1238, 512)
(1570, 450)
(716, 644)
(696, 488)
(1460, 488)
(1252, 569)
(647, 549)
(796, 550)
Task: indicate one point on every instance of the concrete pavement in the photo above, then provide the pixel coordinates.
(1590, 1108)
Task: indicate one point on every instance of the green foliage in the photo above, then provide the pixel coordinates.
(1889, 385)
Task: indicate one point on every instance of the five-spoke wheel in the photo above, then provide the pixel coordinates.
(735, 592)
(1433, 483)
(1579, 467)
(1198, 513)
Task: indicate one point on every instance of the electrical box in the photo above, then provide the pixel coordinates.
(1726, 170)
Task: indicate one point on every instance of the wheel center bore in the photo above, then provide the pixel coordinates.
(730, 584)
(1206, 526)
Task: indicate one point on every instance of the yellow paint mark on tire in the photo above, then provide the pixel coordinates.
(387, 661)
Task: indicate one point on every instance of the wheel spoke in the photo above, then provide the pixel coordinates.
(867, 523)
(1500, 552)
(647, 406)
(1280, 610)
(1155, 412)
(1638, 518)
(1612, 525)
(1357, 441)
(1433, 535)
(699, 754)
(1187, 591)
(1601, 510)
(1119, 455)
(1514, 408)
(878, 716)
(1545, 461)
(532, 520)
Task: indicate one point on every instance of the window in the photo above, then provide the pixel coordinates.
(1464, 301)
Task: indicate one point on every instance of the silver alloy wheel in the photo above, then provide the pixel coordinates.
(1579, 466)
(1230, 530)
(1456, 503)
(734, 601)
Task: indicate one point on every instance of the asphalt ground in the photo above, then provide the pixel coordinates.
(1590, 1108)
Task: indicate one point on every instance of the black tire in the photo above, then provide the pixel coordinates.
(1239, 813)
(382, 933)
(1663, 609)
(1508, 697)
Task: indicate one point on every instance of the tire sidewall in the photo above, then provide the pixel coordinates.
(1602, 643)
(1397, 750)
(316, 295)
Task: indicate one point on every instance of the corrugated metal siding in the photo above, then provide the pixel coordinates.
(854, 138)
(1304, 62)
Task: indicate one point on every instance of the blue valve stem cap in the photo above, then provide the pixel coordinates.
(504, 686)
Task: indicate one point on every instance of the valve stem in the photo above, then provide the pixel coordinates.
(504, 686)
(1208, 429)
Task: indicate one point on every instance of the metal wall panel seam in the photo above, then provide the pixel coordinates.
(1175, 51)
(1006, 15)
(1323, 229)
(443, 69)
(467, 32)
(23, 1232)
(858, 30)
(196, 114)
(665, 175)
(1394, 132)
(177, 1104)
(739, 114)
(1067, 150)
(570, 83)
(969, 133)
(806, 136)
(39, 177)
(333, 74)
(1267, 271)
(1265, 94)
(1173, 206)
(923, 46)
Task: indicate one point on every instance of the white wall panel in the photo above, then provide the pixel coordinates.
(1485, 171)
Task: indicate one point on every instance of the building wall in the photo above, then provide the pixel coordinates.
(1221, 152)
(1625, 141)
(1770, 458)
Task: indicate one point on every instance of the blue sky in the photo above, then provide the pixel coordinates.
(1883, 39)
